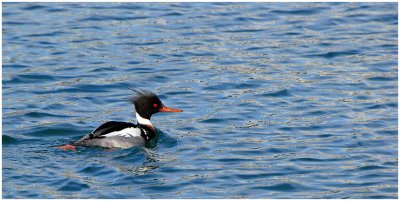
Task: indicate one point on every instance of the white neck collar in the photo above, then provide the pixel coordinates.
(142, 120)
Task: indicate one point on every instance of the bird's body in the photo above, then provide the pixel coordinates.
(117, 134)
(114, 134)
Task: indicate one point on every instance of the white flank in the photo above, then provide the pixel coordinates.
(127, 132)
(142, 120)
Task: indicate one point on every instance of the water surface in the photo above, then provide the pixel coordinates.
(280, 100)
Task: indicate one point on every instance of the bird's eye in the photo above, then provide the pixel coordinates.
(155, 105)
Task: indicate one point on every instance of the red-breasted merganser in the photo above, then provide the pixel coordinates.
(115, 134)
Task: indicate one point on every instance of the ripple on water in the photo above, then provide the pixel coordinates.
(7, 140)
(281, 93)
(280, 100)
(285, 187)
(382, 79)
(72, 185)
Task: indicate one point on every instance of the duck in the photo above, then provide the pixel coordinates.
(117, 134)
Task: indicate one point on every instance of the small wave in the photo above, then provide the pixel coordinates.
(15, 66)
(330, 55)
(380, 78)
(54, 33)
(299, 11)
(73, 186)
(144, 43)
(34, 7)
(226, 85)
(381, 106)
(212, 120)
(244, 30)
(31, 78)
(259, 176)
(56, 10)
(255, 48)
(281, 187)
(45, 115)
(111, 18)
(134, 62)
(20, 23)
(199, 54)
(281, 93)
(369, 167)
(172, 14)
(96, 170)
(9, 140)
(249, 19)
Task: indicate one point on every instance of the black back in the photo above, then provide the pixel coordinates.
(109, 127)
(112, 126)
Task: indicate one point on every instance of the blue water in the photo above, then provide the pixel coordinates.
(280, 100)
